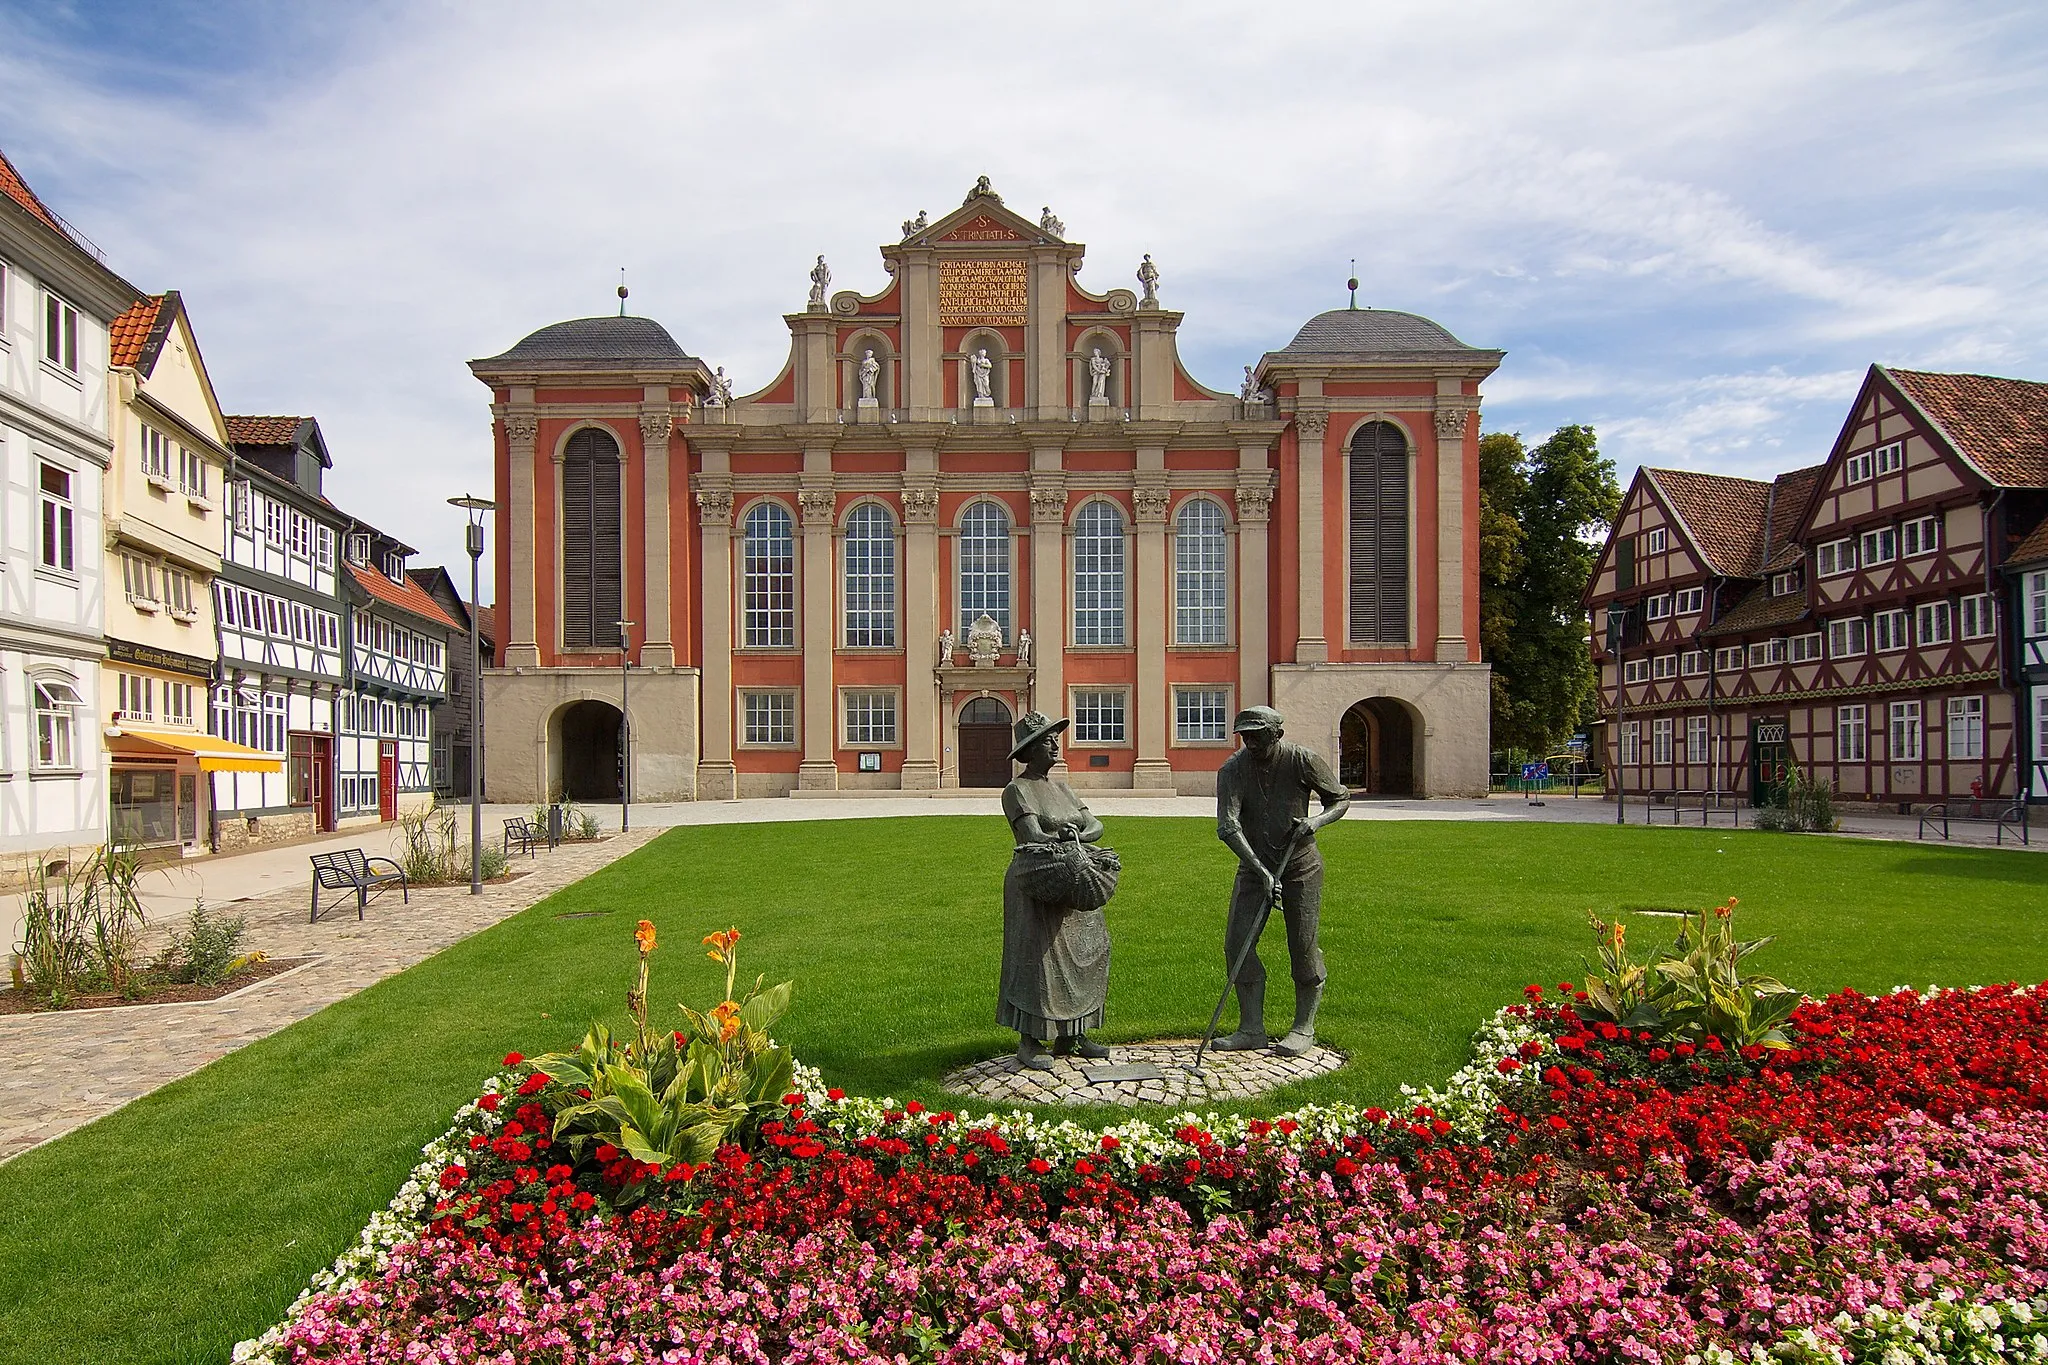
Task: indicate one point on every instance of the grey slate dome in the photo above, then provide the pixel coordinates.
(589, 343)
(1374, 330)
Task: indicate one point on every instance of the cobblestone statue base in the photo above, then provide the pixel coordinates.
(1225, 1076)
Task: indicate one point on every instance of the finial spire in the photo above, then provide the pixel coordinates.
(622, 291)
(1352, 283)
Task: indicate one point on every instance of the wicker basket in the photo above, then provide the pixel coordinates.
(1063, 872)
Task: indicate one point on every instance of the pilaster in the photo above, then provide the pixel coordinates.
(819, 769)
(522, 649)
(1311, 427)
(717, 778)
(658, 648)
(1047, 339)
(921, 377)
(817, 395)
(1254, 515)
(1151, 620)
(1451, 421)
(1049, 582)
(920, 598)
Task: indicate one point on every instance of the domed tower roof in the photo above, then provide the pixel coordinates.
(601, 343)
(1371, 331)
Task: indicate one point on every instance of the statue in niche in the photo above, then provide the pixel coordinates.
(1098, 376)
(821, 280)
(1023, 649)
(1148, 277)
(978, 370)
(1050, 225)
(946, 647)
(913, 226)
(870, 372)
(984, 641)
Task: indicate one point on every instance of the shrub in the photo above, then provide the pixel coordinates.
(1798, 804)
(82, 928)
(1695, 990)
(207, 951)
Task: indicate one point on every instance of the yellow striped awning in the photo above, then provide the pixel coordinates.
(215, 755)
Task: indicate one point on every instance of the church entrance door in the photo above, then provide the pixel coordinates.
(1378, 758)
(985, 741)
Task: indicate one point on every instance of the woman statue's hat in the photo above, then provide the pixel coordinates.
(1031, 728)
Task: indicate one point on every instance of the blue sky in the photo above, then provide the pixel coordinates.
(1692, 227)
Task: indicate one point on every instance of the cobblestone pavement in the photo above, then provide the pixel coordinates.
(68, 1068)
(1224, 1076)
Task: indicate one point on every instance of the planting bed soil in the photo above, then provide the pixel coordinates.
(173, 993)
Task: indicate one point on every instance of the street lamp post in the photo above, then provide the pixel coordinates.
(474, 543)
(625, 726)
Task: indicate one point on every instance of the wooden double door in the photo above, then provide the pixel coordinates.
(984, 744)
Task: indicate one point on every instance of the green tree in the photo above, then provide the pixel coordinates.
(1543, 515)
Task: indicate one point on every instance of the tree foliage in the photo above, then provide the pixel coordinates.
(1543, 516)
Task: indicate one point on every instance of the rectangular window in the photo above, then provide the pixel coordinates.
(241, 505)
(1836, 557)
(1201, 715)
(1932, 623)
(1890, 629)
(273, 722)
(1099, 716)
(1657, 608)
(1688, 601)
(1851, 734)
(1848, 636)
(136, 696)
(56, 705)
(1764, 653)
(1663, 666)
(1905, 734)
(138, 578)
(1635, 670)
(394, 567)
(191, 473)
(1880, 546)
(359, 549)
(299, 529)
(323, 547)
(1693, 663)
(275, 521)
(57, 517)
(1891, 457)
(870, 718)
(1978, 620)
(1654, 541)
(178, 703)
(2037, 606)
(1857, 468)
(1695, 739)
(60, 334)
(327, 630)
(1728, 659)
(156, 455)
(178, 592)
(1632, 742)
(1660, 740)
(1921, 537)
(1966, 727)
(1806, 648)
(770, 717)
(1785, 584)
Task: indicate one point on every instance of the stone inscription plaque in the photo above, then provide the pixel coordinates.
(982, 293)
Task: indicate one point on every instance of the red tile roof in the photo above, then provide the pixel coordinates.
(407, 595)
(1999, 425)
(263, 431)
(132, 329)
(1790, 493)
(487, 623)
(1723, 516)
(15, 188)
(1759, 611)
(2034, 548)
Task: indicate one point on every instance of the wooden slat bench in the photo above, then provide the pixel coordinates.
(351, 870)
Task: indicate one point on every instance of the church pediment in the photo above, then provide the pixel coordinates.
(984, 228)
(982, 218)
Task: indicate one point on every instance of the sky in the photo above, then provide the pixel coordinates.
(1692, 227)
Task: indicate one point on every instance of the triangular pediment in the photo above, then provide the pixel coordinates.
(981, 219)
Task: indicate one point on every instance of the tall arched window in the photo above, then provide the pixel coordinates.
(985, 566)
(1099, 574)
(1378, 549)
(592, 600)
(768, 573)
(1201, 584)
(870, 577)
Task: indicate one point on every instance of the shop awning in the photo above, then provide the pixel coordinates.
(215, 755)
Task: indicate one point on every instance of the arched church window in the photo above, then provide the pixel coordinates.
(1201, 585)
(870, 577)
(768, 578)
(1378, 546)
(985, 566)
(592, 600)
(1099, 574)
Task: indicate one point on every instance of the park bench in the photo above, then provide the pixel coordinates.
(350, 870)
(1940, 818)
(522, 834)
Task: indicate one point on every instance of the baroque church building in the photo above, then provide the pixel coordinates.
(979, 490)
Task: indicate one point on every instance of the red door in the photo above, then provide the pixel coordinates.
(323, 783)
(387, 779)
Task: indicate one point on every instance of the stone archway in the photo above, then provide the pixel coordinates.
(1378, 747)
(584, 736)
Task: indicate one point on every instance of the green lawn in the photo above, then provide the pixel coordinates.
(193, 1217)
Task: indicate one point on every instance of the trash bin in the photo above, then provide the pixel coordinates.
(554, 824)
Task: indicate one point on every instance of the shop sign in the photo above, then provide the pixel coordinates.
(163, 660)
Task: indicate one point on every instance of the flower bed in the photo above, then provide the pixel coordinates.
(1577, 1192)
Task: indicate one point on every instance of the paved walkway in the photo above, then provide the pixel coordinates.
(67, 1069)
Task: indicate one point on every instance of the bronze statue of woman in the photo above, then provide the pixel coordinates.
(1055, 979)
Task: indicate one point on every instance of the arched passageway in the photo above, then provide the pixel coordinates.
(1378, 748)
(586, 736)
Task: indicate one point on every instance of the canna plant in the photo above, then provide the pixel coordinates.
(663, 1097)
(1696, 989)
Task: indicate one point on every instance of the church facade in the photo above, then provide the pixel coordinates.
(978, 490)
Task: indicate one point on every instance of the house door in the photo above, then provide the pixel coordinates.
(323, 783)
(1767, 757)
(387, 779)
(985, 741)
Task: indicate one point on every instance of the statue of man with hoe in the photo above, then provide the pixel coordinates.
(1262, 797)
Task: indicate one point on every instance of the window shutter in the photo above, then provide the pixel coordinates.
(1378, 559)
(591, 544)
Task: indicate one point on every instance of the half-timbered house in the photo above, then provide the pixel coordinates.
(453, 719)
(2028, 572)
(397, 677)
(1848, 617)
(278, 608)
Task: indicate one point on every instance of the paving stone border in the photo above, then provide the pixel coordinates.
(68, 1068)
(1224, 1076)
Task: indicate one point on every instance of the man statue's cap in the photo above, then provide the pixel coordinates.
(1255, 718)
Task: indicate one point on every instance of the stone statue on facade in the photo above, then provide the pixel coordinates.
(979, 367)
(913, 226)
(1055, 977)
(870, 372)
(821, 280)
(946, 647)
(721, 390)
(982, 190)
(1250, 392)
(1148, 279)
(1023, 649)
(984, 641)
(1098, 376)
(1262, 794)
(1050, 225)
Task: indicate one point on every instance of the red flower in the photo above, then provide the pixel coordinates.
(913, 1108)
(1507, 1066)
(488, 1103)
(1110, 1144)
(835, 1094)
(534, 1084)
(514, 1058)
(453, 1176)
(1345, 1166)
(583, 1200)
(1083, 1166)
(1039, 1165)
